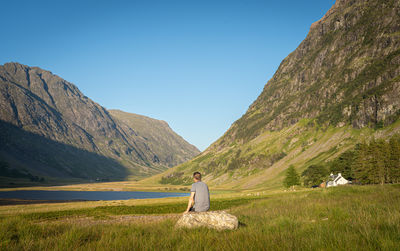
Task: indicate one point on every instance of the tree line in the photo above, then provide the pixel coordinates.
(375, 162)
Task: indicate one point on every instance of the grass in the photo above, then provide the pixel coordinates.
(262, 162)
(103, 211)
(342, 218)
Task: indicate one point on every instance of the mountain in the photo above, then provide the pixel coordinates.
(340, 86)
(171, 148)
(50, 129)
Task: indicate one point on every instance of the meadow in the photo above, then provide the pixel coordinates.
(339, 218)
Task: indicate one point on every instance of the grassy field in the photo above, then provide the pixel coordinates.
(342, 218)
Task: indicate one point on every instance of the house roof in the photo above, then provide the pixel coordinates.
(339, 178)
(336, 178)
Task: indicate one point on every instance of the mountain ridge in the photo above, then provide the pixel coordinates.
(342, 79)
(37, 101)
(150, 128)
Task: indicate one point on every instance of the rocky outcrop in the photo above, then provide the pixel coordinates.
(38, 102)
(346, 71)
(213, 219)
(344, 74)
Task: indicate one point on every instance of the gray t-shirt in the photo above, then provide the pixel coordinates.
(201, 197)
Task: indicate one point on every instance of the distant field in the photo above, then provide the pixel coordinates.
(342, 218)
(104, 186)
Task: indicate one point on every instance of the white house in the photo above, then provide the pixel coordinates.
(336, 180)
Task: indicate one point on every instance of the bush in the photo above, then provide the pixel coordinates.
(314, 175)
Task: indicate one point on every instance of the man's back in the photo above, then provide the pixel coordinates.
(201, 197)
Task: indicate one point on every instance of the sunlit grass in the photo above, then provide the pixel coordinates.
(343, 218)
(171, 208)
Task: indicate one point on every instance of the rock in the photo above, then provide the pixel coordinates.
(345, 73)
(213, 219)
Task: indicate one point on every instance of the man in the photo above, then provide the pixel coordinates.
(199, 195)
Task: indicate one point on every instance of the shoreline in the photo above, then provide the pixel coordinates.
(13, 202)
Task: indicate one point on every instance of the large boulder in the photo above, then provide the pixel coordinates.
(213, 219)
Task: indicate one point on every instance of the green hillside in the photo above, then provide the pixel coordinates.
(341, 86)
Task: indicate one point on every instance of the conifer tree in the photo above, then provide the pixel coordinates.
(394, 159)
(377, 151)
(375, 163)
(314, 175)
(343, 164)
(292, 177)
(386, 161)
(362, 166)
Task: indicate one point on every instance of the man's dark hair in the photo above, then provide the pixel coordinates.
(197, 175)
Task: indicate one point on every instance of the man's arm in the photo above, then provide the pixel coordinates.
(191, 201)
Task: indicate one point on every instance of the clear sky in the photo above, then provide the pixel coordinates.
(196, 64)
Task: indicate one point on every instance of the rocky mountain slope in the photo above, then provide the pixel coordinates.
(49, 128)
(341, 85)
(171, 148)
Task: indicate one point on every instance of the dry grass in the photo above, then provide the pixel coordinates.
(343, 218)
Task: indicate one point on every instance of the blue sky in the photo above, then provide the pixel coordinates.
(196, 64)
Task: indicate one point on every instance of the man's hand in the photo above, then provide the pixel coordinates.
(190, 203)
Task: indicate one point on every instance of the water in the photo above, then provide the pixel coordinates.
(85, 195)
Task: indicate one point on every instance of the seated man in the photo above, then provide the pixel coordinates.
(199, 195)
